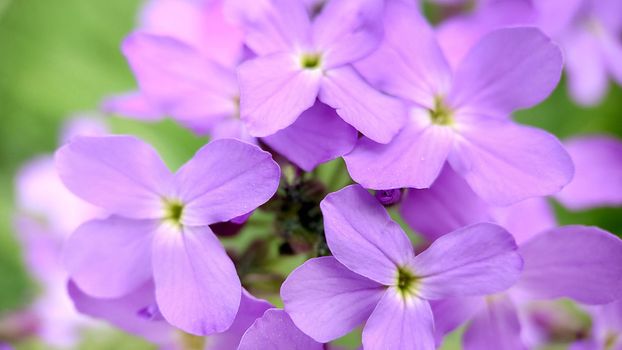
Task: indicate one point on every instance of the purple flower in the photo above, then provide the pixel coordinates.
(606, 328)
(303, 57)
(159, 224)
(375, 276)
(275, 330)
(598, 173)
(461, 116)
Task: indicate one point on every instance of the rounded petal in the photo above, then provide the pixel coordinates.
(274, 91)
(508, 69)
(225, 179)
(449, 314)
(121, 174)
(400, 324)
(362, 236)
(374, 114)
(586, 68)
(578, 262)
(326, 300)
(476, 260)
(275, 330)
(598, 173)
(111, 257)
(414, 158)
(504, 162)
(197, 287)
(317, 136)
(495, 327)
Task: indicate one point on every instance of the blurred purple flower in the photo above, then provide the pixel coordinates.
(375, 276)
(461, 116)
(159, 224)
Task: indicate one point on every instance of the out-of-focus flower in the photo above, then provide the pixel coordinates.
(461, 115)
(375, 276)
(159, 223)
(275, 330)
(606, 329)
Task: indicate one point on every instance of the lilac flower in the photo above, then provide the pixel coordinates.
(598, 173)
(606, 328)
(375, 276)
(159, 224)
(461, 116)
(577, 262)
(203, 95)
(303, 57)
(275, 330)
(588, 31)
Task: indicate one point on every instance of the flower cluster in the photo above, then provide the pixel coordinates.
(421, 116)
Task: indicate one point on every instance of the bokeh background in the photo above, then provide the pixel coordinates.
(60, 58)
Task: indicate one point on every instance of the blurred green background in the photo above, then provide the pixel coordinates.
(59, 58)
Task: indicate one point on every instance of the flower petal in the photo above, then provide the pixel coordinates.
(598, 173)
(495, 327)
(504, 162)
(476, 260)
(274, 91)
(449, 314)
(130, 312)
(133, 105)
(276, 331)
(374, 114)
(225, 179)
(121, 174)
(197, 287)
(346, 31)
(111, 257)
(508, 69)
(400, 324)
(414, 158)
(446, 206)
(579, 262)
(317, 136)
(326, 300)
(586, 68)
(362, 236)
(251, 309)
(418, 71)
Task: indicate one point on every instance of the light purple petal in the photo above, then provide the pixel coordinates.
(525, 219)
(346, 31)
(317, 136)
(495, 327)
(197, 287)
(448, 205)
(579, 262)
(449, 314)
(111, 257)
(585, 66)
(225, 179)
(417, 71)
(362, 236)
(476, 260)
(130, 312)
(399, 324)
(508, 69)
(251, 309)
(374, 114)
(274, 91)
(272, 25)
(326, 300)
(276, 331)
(121, 174)
(414, 158)
(504, 162)
(598, 173)
(183, 83)
(133, 105)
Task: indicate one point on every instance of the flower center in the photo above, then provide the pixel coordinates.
(173, 211)
(441, 114)
(311, 60)
(406, 282)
